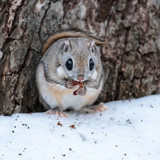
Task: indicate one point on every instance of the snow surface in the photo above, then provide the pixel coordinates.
(128, 130)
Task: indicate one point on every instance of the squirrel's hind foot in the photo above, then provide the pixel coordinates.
(95, 108)
(100, 108)
(57, 113)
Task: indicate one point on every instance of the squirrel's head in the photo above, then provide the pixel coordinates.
(79, 59)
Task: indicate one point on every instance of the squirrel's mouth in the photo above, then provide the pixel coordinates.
(79, 79)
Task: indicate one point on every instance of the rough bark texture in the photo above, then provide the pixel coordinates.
(131, 60)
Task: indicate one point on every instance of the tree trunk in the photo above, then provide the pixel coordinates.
(131, 60)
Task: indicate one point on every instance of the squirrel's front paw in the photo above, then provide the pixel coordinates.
(82, 91)
(69, 84)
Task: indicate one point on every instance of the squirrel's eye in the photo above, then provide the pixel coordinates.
(69, 64)
(91, 64)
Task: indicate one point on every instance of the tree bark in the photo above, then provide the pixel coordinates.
(131, 60)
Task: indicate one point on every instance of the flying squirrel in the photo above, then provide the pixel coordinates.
(70, 73)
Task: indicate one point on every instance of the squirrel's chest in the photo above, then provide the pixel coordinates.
(64, 98)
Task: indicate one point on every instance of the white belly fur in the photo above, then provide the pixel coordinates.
(59, 96)
(76, 102)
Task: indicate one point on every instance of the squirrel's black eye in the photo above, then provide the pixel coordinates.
(91, 64)
(69, 64)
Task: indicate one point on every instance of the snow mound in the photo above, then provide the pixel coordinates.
(128, 130)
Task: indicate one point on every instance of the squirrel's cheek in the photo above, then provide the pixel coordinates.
(94, 74)
(60, 72)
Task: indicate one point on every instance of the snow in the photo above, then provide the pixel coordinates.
(128, 130)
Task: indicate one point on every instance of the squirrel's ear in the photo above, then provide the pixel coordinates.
(67, 45)
(92, 46)
(92, 43)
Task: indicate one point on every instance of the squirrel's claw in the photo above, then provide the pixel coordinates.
(57, 113)
(82, 91)
(100, 108)
(69, 84)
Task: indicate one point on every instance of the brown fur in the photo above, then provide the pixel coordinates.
(66, 34)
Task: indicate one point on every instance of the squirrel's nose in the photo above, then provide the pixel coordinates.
(80, 77)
